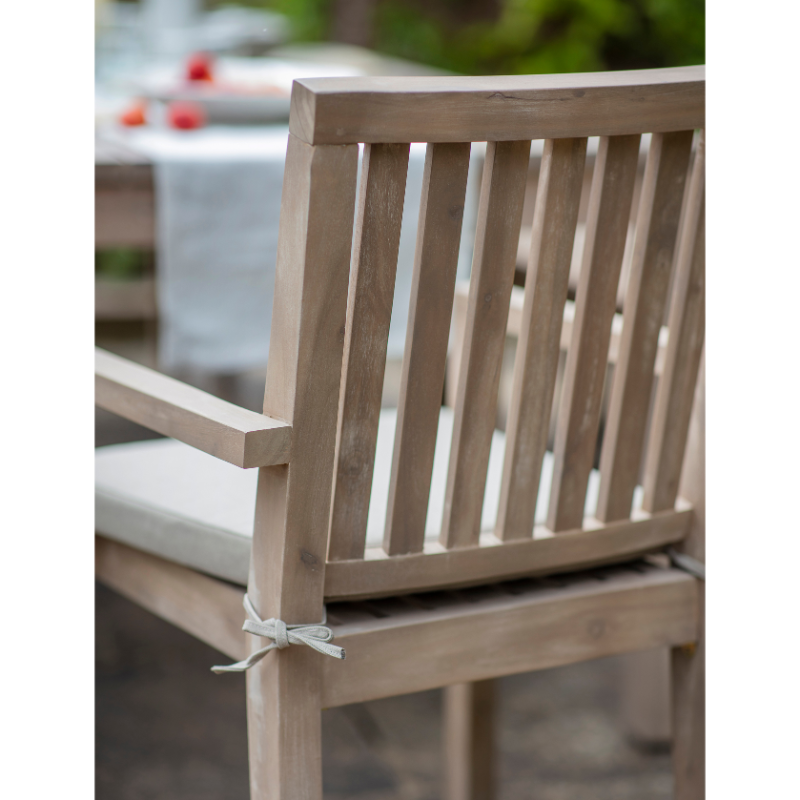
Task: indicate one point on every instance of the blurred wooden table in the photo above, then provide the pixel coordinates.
(124, 218)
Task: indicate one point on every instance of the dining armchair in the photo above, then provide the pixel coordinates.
(417, 541)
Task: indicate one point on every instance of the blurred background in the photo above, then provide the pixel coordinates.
(191, 120)
(469, 36)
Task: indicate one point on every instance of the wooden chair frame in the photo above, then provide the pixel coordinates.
(314, 445)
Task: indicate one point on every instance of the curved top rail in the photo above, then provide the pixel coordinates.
(498, 108)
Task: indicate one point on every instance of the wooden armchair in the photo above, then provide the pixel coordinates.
(346, 496)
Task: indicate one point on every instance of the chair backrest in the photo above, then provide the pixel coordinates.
(333, 307)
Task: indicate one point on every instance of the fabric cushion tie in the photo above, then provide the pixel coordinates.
(315, 636)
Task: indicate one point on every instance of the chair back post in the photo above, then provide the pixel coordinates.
(688, 663)
(287, 565)
(303, 374)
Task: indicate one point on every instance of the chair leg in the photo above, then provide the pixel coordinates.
(689, 715)
(644, 694)
(284, 726)
(689, 663)
(469, 741)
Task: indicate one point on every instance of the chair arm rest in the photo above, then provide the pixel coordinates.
(241, 437)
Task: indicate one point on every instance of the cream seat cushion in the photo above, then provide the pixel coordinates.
(167, 498)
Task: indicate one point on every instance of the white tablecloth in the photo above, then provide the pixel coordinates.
(218, 193)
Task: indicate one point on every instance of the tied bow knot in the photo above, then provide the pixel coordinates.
(316, 637)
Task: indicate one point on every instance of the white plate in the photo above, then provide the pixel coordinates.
(232, 109)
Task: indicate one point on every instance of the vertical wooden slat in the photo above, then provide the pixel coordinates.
(656, 229)
(369, 312)
(505, 174)
(676, 388)
(287, 567)
(579, 415)
(444, 187)
(555, 218)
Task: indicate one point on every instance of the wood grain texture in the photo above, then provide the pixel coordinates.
(376, 575)
(284, 725)
(369, 312)
(290, 539)
(595, 303)
(204, 607)
(502, 108)
(469, 741)
(509, 634)
(233, 434)
(654, 246)
(303, 378)
(673, 405)
(540, 334)
(432, 289)
(505, 174)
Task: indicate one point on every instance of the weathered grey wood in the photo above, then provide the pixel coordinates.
(656, 229)
(469, 741)
(488, 636)
(645, 708)
(433, 286)
(495, 109)
(693, 475)
(689, 662)
(509, 634)
(595, 303)
(204, 607)
(284, 725)
(376, 575)
(369, 312)
(646, 693)
(237, 435)
(287, 568)
(499, 216)
(688, 712)
(673, 405)
(540, 334)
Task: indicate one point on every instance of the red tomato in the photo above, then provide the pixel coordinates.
(186, 116)
(199, 67)
(134, 115)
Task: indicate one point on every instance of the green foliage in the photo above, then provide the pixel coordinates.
(402, 31)
(523, 36)
(309, 18)
(121, 263)
(535, 36)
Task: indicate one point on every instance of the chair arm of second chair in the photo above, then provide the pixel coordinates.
(231, 433)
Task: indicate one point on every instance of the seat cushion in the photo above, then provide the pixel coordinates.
(167, 498)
